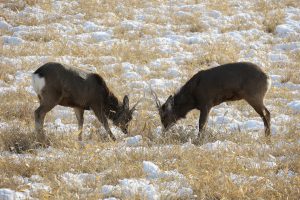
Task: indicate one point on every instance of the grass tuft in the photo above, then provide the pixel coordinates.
(17, 140)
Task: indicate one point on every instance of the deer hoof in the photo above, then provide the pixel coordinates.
(79, 133)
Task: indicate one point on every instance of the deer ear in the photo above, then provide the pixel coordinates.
(126, 102)
(170, 103)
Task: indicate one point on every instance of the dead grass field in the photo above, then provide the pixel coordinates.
(209, 173)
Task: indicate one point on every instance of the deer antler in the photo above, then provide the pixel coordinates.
(158, 105)
(134, 107)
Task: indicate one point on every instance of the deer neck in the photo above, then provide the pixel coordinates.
(183, 103)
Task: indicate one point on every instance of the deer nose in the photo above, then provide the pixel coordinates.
(125, 130)
(164, 129)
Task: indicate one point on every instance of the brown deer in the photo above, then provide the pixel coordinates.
(208, 88)
(56, 84)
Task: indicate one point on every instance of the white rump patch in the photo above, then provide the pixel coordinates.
(38, 83)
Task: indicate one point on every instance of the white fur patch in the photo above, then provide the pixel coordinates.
(38, 83)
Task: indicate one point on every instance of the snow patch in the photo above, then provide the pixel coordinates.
(32, 186)
(143, 70)
(153, 187)
(101, 36)
(131, 25)
(4, 90)
(90, 26)
(243, 180)
(81, 180)
(131, 76)
(287, 46)
(185, 193)
(252, 163)
(134, 141)
(4, 25)
(173, 72)
(137, 85)
(142, 188)
(277, 57)
(61, 127)
(214, 14)
(286, 173)
(3, 125)
(284, 30)
(126, 66)
(220, 146)
(295, 106)
(163, 84)
(252, 125)
(151, 170)
(8, 194)
(11, 40)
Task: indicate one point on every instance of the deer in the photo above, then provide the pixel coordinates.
(211, 87)
(57, 84)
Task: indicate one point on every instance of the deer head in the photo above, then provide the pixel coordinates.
(166, 113)
(124, 115)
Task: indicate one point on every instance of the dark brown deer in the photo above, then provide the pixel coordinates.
(208, 88)
(56, 84)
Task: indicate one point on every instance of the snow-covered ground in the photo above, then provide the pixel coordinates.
(162, 44)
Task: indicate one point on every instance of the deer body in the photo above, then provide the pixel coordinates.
(208, 88)
(56, 84)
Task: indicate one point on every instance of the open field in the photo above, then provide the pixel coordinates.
(132, 44)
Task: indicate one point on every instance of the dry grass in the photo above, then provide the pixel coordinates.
(17, 140)
(272, 12)
(193, 21)
(134, 52)
(5, 71)
(239, 24)
(16, 106)
(224, 6)
(273, 19)
(208, 172)
(208, 175)
(220, 51)
(289, 72)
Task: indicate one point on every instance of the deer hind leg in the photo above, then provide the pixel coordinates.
(202, 121)
(266, 117)
(79, 116)
(47, 101)
(39, 116)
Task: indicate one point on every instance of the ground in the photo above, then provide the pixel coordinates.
(134, 44)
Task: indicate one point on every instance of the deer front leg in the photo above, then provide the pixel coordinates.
(202, 121)
(79, 116)
(101, 117)
(105, 123)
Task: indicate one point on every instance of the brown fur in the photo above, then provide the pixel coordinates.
(208, 88)
(80, 90)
